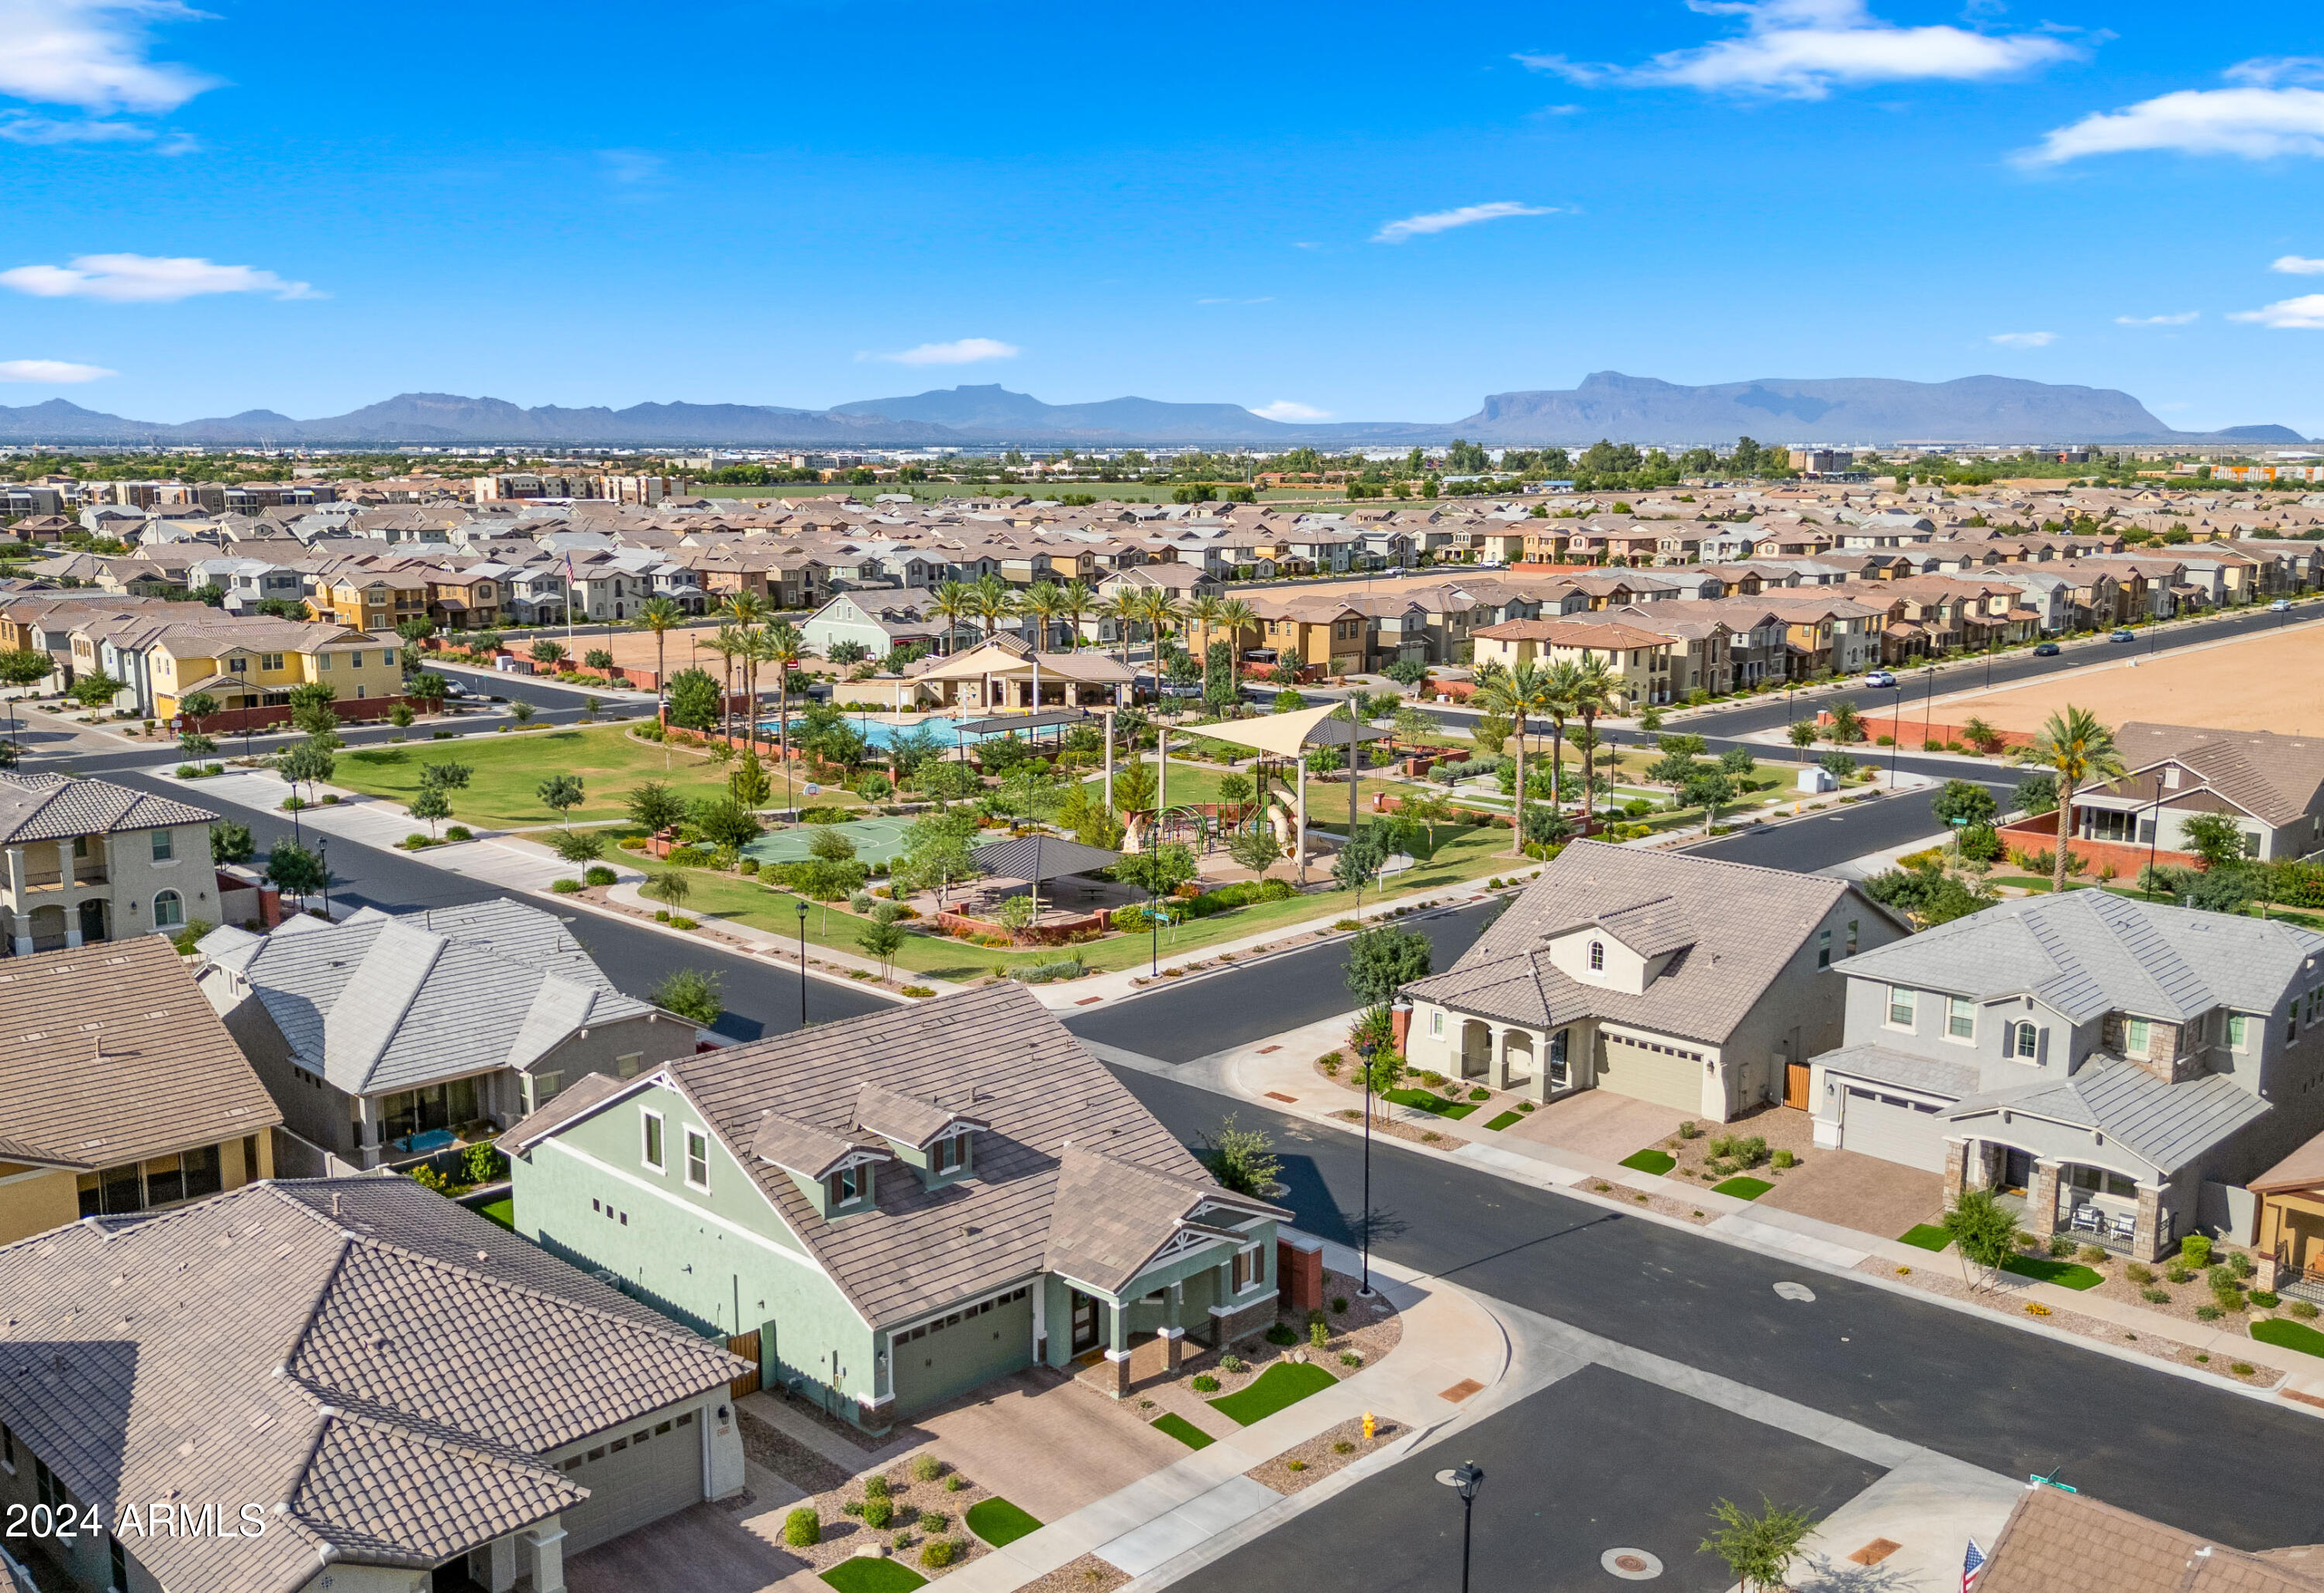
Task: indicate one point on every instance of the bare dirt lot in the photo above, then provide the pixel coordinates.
(2257, 683)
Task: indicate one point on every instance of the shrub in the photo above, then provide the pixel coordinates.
(1481, 1094)
(1233, 1363)
(955, 1482)
(2207, 1314)
(851, 1507)
(1282, 1333)
(1689, 1129)
(2305, 1310)
(2267, 1299)
(2138, 1272)
(1205, 1383)
(458, 833)
(2155, 1296)
(1319, 1334)
(940, 1552)
(1339, 1303)
(802, 1529)
(2060, 1245)
(599, 875)
(565, 886)
(2242, 1368)
(2240, 1264)
(748, 867)
(927, 1468)
(878, 1511)
(2178, 1272)
(934, 1521)
(2094, 1255)
(1784, 1159)
(687, 857)
(2195, 1249)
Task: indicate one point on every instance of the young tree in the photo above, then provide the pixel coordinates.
(655, 807)
(1736, 764)
(231, 842)
(432, 805)
(747, 782)
(1242, 1159)
(451, 775)
(936, 849)
(1384, 959)
(562, 792)
(1984, 1233)
(599, 657)
(1157, 872)
(1847, 722)
(310, 763)
(192, 745)
(1803, 733)
(670, 887)
(2215, 838)
(29, 666)
(97, 690)
(580, 848)
(1966, 801)
(401, 716)
(2075, 750)
(1287, 700)
(428, 689)
(725, 821)
(1707, 788)
(883, 938)
(522, 711)
(295, 871)
(1759, 1549)
(692, 994)
(194, 705)
(694, 700)
(1254, 849)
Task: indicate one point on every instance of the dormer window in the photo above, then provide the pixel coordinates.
(947, 1154)
(845, 1186)
(1596, 956)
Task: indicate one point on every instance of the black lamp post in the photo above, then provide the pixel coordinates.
(802, 939)
(1364, 1050)
(325, 844)
(1467, 1479)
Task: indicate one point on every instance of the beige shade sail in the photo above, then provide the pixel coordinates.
(1285, 735)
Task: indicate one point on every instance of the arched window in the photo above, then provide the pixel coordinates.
(1596, 956)
(169, 910)
(2029, 1041)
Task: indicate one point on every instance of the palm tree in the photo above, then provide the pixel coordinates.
(1517, 694)
(748, 610)
(1236, 617)
(993, 602)
(1204, 612)
(1075, 599)
(728, 644)
(1158, 608)
(781, 645)
(660, 615)
(2076, 750)
(1125, 610)
(1041, 603)
(956, 601)
(1557, 702)
(1592, 693)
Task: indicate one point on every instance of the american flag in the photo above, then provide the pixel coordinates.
(1972, 1563)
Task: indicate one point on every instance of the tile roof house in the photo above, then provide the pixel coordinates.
(2272, 786)
(2060, 1543)
(387, 1035)
(2097, 1058)
(90, 860)
(120, 1091)
(903, 1206)
(337, 1377)
(1694, 983)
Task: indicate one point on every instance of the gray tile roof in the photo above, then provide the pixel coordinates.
(1732, 926)
(2089, 951)
(55, 807)
(1879, 1065)
(376, 1367)
(385, 1001)
(109, 1053)
(1048, 856)
(2167, 1125)
(995, 1053)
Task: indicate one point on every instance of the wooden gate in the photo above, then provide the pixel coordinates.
(745, 1345)
(1795, 1084)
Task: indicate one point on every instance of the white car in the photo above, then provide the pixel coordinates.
(1880, 679)
(2281, 605)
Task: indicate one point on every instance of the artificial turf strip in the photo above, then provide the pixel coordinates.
(1184, 1431)
(863, 1574)
(1505, 1119)
(1743, 1189)
(501, 1210)
(1284, 1384)
(1422, 1101)
(2066, 1275)
(999, 1522)
(1648, 1160)
(1925, 1236)
(2289, 1336)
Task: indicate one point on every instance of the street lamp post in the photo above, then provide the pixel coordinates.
(325, 846)
(1364, 1050)
(802, 940)
(1467, 1479)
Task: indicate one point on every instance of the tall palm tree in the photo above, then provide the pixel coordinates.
(1042, 602)
(1075, 599)
(1204, 612)
(2076, 749)
(660, 615)
(728, 644)
(1557, 704)
(993, 602)
(1517, 694)
(1125, 608)
(1591, 693)
(747, 610)
(1158, 608)
(781, 645)
(955, 601)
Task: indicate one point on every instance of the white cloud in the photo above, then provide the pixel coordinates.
(146, 279)
(1804, 49)
(2023, 339)
(2297, 265)
(1439, 221)
(38, 129)
(1284, 410)
(2267, 115)
(2305, 313)
(93, 54)
(2182, 319)
(630, 167)
(50, 373)
(1268, 299)
(962, 350)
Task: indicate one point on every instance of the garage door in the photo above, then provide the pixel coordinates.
(1874, 1123)
(953, 1354)
(634, 1477)
(1667, 1075)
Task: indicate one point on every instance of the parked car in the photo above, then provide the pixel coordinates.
(2123, 635)
(1880, 679)
(2046, 649)
(2281, 605)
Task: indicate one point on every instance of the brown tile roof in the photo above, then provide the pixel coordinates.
(54, 807)
(373, 1364)
(2060, 1543)
(110, 1054)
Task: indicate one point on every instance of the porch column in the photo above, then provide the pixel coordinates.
(2041, 1199)
(366, 1131)
(65, 885)
(22, 908)
(1117, 1348)
(545, 1547)
(1957, 1162)
(1174, 1331)
(2146, 1240)
(499, 1571)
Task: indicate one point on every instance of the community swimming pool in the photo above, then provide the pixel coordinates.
(883, 732)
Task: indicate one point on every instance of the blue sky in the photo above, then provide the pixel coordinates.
(1368, 211)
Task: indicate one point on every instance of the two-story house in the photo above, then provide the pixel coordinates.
(364, 598)
(2096, 1058)
(901, 1206)
(88, 861)
(1689, 982)
(251, 666)
(388, 1037)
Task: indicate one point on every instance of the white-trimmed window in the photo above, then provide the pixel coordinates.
(2025, 1042)
(2238, 1032)
(650, 1148)
(947, 1154)
(1596, 956)
(1437, 1023)
(1900, 1007)
(1247, 1270)
(697, 1159)
(164, 846)
(168, 910)
(1961, 1019)
(2136, 1035)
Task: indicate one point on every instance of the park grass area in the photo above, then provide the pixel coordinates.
(1925, 1236)
(506, 772)
(1184, 1431)
(1505, 1119)
(1283, 1385)
(1658, 1162)
(1434, 1104)
(2066, 1275)
(998, 1522)
(2289, 1335)
(1743, 1189)
(861, 1573)
(501, 1210)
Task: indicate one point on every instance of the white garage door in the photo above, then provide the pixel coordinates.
(634, 1477)
(1667, 1075)
(1875, 1123)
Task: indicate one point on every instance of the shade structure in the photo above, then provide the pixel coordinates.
(1037, 858)
(1046, 719)
(1287, 735)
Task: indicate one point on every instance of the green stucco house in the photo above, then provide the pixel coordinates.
(903, 1206)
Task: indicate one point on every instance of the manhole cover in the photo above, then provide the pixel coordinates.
(1799, 1291)
(1632, 1565)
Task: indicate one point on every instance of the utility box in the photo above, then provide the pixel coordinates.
(1817, 779)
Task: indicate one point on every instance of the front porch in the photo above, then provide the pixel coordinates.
(2054, 1195)
(1541, 1065)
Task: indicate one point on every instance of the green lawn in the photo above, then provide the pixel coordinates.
(507, 771)
(999, 1522)
(1282, 1385)
(863, 1574)
(501, 1210)
(1184, 1431)
(2066, 1275)
(1656, 1162)
(1505, 1119)
(1926, 1235)
(1435, 1105)
(1743, 1189)
(2289, 1335)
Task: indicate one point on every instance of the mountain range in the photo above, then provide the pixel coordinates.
(1607, 404)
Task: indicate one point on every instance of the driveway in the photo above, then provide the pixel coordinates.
(1049, 1446)
(705, 1548)
(1863, 1193)
(1599, 1123)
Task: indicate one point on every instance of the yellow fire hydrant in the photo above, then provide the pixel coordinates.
(1371, 1426)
